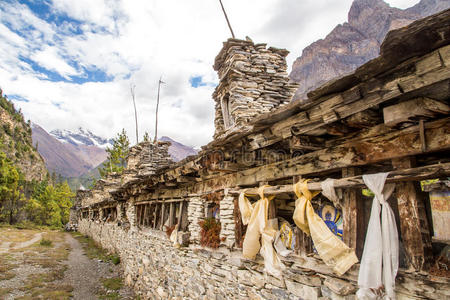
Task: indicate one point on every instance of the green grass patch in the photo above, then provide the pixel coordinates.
(46, 243)
(94, 250)
(114, 283)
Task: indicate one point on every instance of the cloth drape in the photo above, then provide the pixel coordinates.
(256, 216)
(330, 248)
(379, 263)
(328, 191)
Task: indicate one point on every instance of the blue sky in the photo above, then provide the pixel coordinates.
(70, 64)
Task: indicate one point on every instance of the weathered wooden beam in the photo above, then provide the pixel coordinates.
(369, 150)
(413, 110)
(376, 92)
(353, 214)
(400, 175)
(413, 220)
(305, 142)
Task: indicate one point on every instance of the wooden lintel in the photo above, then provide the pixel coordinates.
(410, 174)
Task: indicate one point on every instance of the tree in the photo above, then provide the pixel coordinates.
(50, 204)
(11, 195)
(117, 155)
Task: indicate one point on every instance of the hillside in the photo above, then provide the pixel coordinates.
(16, 142)
(355, 42)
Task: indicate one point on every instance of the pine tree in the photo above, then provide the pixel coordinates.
(117, 155)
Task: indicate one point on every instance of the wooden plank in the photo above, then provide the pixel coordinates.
(353, 215)
(413, 110)
(386, 146)
(400, 175)
(413, 220)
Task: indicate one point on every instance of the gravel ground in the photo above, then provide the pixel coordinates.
(85, 274)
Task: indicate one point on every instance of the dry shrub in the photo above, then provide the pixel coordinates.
(169, 229)
(210, 233)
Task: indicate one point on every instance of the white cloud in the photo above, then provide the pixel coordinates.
(138, 41)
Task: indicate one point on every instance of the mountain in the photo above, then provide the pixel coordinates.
(75, 154)
(16, 142)
(81, 137)
(70, 154)
(355, 42)
(177, 150)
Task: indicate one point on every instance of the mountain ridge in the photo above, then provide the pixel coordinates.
(355, 42)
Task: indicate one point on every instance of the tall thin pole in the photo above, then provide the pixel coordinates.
(132, 87)
(157, 107)
(226, 17)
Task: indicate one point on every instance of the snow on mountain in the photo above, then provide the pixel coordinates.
(81, 137)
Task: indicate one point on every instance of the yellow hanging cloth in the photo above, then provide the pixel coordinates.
(258, 228)
(331, 249)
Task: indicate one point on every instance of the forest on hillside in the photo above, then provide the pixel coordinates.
(27, 193)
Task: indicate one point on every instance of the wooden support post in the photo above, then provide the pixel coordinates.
(171, 213)
(353, 215)
(161, 226)
(144, 221)
(304, 241)
(414, 226)
(155, 215)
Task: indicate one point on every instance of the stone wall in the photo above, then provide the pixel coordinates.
(157, 270)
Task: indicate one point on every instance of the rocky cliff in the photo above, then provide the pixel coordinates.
(16, 143)
(355, 42)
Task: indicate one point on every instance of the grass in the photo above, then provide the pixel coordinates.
(114, 283)
(111, 286)
(47, 255)
(46, 243)
(94, 251)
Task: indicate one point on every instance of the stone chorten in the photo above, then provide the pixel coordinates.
(253, 81)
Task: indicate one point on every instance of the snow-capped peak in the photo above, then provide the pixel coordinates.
(80, 137)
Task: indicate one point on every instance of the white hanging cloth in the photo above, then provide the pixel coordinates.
(379, 263)
(329, 191)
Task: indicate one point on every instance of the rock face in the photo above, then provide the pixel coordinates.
(355, 42)
(16, 143)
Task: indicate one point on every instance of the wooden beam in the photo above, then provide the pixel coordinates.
(161, 226)
(413, 110)
(387, 145)
(413, 220)
(400, 175)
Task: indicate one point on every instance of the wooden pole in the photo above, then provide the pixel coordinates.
(157, 107)
(132, 87)
(226, 17)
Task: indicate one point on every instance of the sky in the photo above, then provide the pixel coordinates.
(69, 64)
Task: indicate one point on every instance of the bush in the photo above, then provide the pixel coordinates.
(210, 233)
(46, 243)
(115, 259)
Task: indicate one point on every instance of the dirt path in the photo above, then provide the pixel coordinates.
(69, 267)
(6, 245)
(82, 273)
